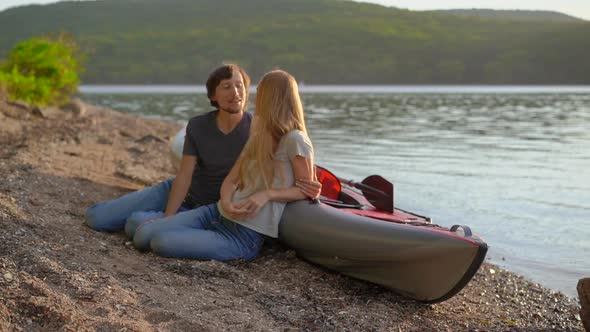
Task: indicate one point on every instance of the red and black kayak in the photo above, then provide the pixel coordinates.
(388, 246)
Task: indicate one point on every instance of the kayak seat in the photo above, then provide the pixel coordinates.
(332, 193)
(330, 184)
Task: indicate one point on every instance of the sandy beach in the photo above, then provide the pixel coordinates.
(58, 274)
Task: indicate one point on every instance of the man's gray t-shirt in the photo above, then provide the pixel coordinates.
(216, 153)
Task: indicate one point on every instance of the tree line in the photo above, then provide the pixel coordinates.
(319, 41)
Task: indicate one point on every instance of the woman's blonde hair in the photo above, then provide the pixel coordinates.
(278, 110)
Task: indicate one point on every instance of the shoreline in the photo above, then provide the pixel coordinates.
(352, 88)
(56, 273)
(544, 277)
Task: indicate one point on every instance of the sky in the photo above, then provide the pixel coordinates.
(577, 8)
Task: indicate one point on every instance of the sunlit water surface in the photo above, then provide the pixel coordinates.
(511, 162)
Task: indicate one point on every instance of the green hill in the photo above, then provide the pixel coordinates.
(319, 41)
(517, 15)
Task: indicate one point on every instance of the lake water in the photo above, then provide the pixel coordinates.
(511, 162)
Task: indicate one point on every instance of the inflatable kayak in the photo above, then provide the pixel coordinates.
(362, 235)
(400, 250)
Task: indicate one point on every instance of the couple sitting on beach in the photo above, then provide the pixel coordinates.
(236, 175)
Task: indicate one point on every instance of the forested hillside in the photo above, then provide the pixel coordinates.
(521, 15)
(319, 41)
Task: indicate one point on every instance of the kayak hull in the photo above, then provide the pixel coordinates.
(419, 260)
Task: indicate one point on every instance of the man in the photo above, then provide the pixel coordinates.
(213, 142)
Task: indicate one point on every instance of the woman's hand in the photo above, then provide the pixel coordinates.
(309, 188)
(234, 211)
(253, 203)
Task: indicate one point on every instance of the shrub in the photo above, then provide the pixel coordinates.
(43, 71)
(3, 90)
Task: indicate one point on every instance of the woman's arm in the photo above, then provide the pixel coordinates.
(228, 188)
(303, 169)
(181, 184)
(311, 188)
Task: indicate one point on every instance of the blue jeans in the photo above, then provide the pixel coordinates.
(200, 233)
(129, 211)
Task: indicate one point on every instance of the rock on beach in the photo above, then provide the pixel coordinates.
(584, 296)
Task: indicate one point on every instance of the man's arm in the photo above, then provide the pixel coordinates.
(181, 184)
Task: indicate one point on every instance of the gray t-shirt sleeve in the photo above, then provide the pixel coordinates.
(190, 146)
(298, 144)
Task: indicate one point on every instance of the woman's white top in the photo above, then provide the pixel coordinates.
(294, 143)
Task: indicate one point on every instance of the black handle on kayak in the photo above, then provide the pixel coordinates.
(466, 230)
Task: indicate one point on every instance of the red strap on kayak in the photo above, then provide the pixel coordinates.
(330, 185)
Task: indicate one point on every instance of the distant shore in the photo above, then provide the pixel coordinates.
(357, 88)
(56, 273)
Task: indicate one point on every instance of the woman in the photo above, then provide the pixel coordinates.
(254, 193)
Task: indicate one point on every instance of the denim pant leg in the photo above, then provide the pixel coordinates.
(205, 236)
(247, 241)
(140, 217)
(147, 230)
(111, 216)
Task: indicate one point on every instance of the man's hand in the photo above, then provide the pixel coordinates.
(309, 188)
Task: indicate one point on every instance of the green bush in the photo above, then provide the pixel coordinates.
(3, 90)
(43, 71)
